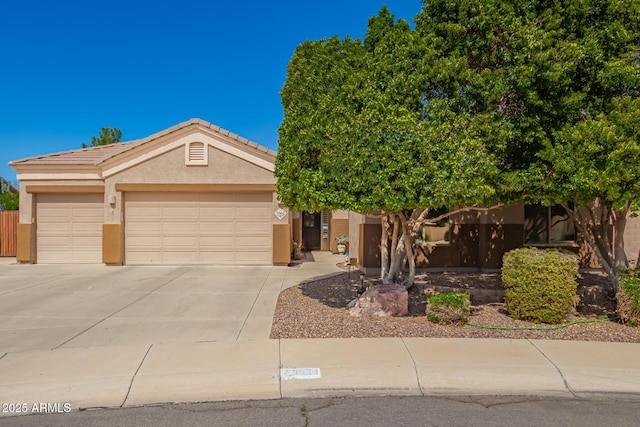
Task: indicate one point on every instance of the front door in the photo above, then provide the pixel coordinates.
(311, 230)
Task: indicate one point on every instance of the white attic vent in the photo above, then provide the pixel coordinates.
(196, 154)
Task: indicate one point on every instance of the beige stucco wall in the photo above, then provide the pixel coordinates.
(632, 240)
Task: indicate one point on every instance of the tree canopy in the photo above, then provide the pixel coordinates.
(105, 137)
(484, 101)
(355, 136)
(566, 77)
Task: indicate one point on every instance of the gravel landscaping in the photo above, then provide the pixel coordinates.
(316, 309)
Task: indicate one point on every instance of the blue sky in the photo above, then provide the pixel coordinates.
(70, 67)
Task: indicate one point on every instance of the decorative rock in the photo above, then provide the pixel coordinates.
(382, 301)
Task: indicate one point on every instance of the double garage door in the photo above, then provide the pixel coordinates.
(159, 228)
(198, 228)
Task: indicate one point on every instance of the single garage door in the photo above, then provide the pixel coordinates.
(198, 228)
(69, 228)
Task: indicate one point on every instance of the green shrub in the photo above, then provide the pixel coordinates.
(540, 285)
(629, 301)
(448, 307)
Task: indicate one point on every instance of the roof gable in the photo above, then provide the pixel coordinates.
(116, 157)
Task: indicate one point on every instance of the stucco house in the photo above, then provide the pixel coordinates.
(191, 194)
(199, 194)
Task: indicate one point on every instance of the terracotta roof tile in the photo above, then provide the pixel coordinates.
(96, 155)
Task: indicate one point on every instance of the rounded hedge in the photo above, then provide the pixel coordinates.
(540, 284)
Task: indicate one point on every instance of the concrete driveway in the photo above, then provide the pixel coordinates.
(63, 306)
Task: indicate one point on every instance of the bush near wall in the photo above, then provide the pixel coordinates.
(540, 284)
(628, 305)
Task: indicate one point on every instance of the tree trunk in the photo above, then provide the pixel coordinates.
(408, 247)
(395, 266)
(384, 248)
(594, 222)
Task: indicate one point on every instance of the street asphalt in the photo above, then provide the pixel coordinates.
(86, 336)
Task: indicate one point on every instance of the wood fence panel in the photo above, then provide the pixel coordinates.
(9, 233)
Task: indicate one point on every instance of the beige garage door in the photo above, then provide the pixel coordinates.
(69, 228)
(198, 228)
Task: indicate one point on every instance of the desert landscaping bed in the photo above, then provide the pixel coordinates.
(317, 309)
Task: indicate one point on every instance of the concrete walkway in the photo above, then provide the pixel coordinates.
(142, 366)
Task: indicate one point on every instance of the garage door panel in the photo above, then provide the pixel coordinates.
(86, 228)
(48, 229)
(216, 212)
(175, 227)
(180, 212)
(144, 243)
(52, 243)
(180, 242)
(251, 212)
(253, 241)
(83, 242)
(88, 211)
(147, 228)
(154, 211)
(54, 213)
(147, 257)
(217, 257)
(86, 256)
(180, 257)
(226, 243)
(52, 256)
(251, 228)
(69, 228)
(216, 227)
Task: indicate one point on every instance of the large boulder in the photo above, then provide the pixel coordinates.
(382, 301)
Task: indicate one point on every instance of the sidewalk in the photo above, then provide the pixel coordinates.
(255, 367)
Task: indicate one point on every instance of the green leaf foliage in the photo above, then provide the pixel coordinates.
(628, 299)
(358, 133)
(449, 307)
(10, 201)
(533, 101)
(540, 285)
(107, 136)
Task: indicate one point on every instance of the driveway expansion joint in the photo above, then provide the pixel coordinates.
(119, 310)
(254, 304)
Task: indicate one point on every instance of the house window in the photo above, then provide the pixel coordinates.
(196, 154)
(433, 233)
(547, 225)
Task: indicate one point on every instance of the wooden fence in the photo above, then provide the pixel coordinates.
(9, 233)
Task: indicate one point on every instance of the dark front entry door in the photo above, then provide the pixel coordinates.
(311, 230)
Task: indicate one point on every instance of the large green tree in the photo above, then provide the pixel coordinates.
(105, 137)
(565, 76)
(542, 94)
(358, 135)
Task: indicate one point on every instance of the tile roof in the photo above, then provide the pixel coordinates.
(95, 155)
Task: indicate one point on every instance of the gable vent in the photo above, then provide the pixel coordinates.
(196, 153)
